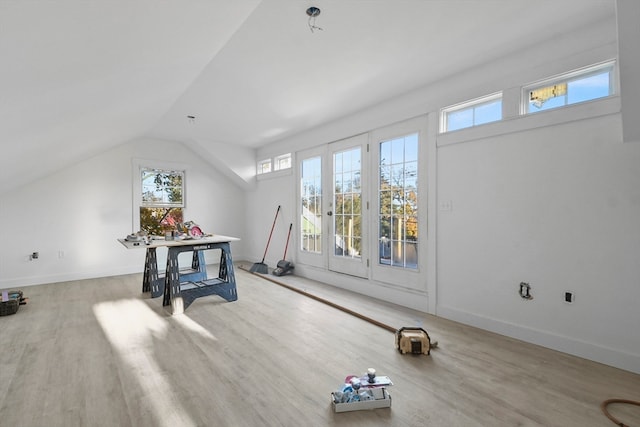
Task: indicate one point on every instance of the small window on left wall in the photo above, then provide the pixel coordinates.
(277, 163)
(162, 200)
(282, 162)
(264, 166)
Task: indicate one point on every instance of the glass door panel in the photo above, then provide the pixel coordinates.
(347, 240)
(311, 205)
(311, 227)
(398, 202)
(347, 199)
(398, 154)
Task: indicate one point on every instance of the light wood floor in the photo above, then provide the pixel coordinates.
(100, 353)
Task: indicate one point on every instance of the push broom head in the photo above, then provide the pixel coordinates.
(259, 267)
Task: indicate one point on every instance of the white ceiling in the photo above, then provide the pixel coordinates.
(79, 77)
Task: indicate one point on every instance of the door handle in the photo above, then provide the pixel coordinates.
(329, 213)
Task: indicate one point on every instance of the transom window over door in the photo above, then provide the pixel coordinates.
(398, 202)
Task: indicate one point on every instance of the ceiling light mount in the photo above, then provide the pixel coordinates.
(313, 13)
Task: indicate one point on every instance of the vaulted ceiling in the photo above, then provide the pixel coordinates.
(79, 77)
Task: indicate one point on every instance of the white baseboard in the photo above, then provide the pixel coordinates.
(608, 356)
(67, 277)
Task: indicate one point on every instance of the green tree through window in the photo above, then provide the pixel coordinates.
(348, 203)
(162, 200)
(398, 202)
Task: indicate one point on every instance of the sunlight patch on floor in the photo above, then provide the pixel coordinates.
(187, 323)
(131, 327)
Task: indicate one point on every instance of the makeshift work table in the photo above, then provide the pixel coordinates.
(181, 287)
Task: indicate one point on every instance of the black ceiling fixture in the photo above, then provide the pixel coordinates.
(313, 13)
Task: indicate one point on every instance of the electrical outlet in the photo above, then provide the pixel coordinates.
(525, 291)
(569, 297)
(34, 255)
(446, 206)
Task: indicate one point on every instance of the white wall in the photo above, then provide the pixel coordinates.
(628, 13)
(556, 207)
(551, 200)
(83, 209)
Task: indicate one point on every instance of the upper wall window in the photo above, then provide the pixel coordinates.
(282, 162)
(264, 166)
(570, 88)
(278, 163)
(471, 113)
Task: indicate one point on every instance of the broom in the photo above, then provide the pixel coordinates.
(261, 267)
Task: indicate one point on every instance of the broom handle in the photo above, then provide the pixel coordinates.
(270, 234)
(287, 245)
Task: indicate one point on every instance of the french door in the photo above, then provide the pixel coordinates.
(362, 205)
(399, 204)
(332, 206)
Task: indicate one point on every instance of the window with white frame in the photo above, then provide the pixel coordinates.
(162, 200)
(264, 166)
(476, 112)
(398, 202)
(577, 86)
(282, 162)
